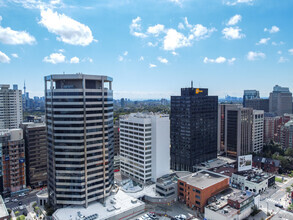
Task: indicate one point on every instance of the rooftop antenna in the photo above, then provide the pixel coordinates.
(191, 83)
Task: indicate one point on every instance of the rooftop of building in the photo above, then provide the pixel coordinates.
(226, 170)
(172, 177)
(218, 162)
(219, 202)
(3, 209)
(143, 115)
(33, 124)
(254, 175)
(264, 160)
(55, 77)
(203, 179)
(113, 206)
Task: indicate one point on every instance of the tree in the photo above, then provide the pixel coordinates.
(288, 189)
(289, 152)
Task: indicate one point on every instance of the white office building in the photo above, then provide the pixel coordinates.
(145, 146)
(10, 107)
(257, 131)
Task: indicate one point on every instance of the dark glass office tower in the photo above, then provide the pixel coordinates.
(194, 121)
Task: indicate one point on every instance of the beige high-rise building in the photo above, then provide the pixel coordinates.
(280, 100)
(11, 115)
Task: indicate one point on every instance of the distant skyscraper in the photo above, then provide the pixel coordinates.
(281, 100)
(35, 137)
(257, 131)
(13, 161)
(15, 87)
(122, 102)
(145, 146)
(194, 120)
(238, 130)
(258, 104)
(250, 94)
(79, 119)
(10, 108)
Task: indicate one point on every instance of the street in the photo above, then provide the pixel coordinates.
(276, 196)
(26, 200)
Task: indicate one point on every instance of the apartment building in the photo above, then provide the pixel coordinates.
(257, 131)
(10, 107)
(13, 162)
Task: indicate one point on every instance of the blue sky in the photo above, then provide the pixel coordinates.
(151, 48)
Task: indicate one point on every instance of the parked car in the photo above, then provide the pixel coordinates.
(279, 205)
(6, 200)
(20, 203)
(14, 200)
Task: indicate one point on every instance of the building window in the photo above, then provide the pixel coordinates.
(198, 197)
(198, 191)
(197, 202)
(181, 183)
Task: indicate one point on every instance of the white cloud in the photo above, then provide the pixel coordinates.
(263, 41)
(235, 2)
(272, 30)
(152, 65)
(187, 23)
(9, 36)
(74, 60)
(141, 58)
(135, 28)
(178, 2)
(181, 26)
(174, 53)
(4, 58)
(282, 60)
(232, 60)
(174, 40)
(55, 58)
(125, 53)
(277, 44)
(15, 55)
(279, 52)
(0, 18)
(217, 60)
(156, 30)
(200, 32)
(87, 59)
(68, 30)
(61, 50)
(150, 44)
(120, 58)
(38, 4)
(234, 20)
(232, 33)
(290, 51)
(163, 60)
(255, 55)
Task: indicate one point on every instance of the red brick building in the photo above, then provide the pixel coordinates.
(195, 189)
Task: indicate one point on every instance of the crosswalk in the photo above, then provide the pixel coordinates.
(272, 200)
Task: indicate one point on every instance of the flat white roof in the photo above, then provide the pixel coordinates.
(123, 203)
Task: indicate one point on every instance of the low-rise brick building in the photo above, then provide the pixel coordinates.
(195, 189)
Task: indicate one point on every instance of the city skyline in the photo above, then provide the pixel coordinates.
(152, 48)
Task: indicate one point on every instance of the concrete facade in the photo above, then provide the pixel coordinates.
(257, 131)
(145, 146)
(10, 107)
(79, 120)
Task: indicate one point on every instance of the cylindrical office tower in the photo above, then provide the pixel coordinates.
(79, 118)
